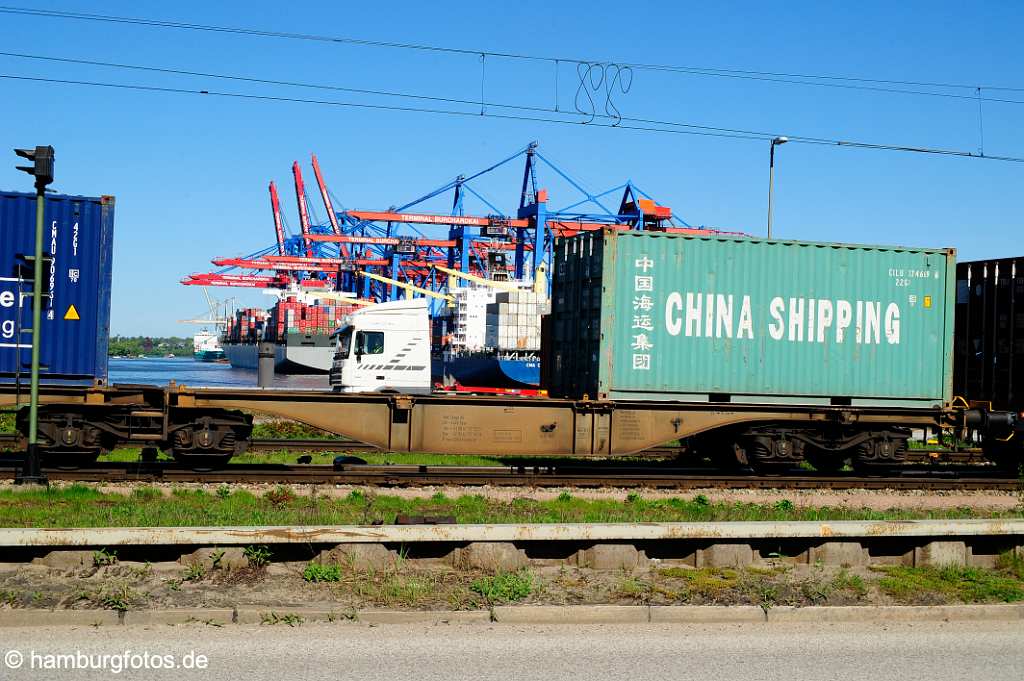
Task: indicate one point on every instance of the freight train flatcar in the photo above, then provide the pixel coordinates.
(754, 352)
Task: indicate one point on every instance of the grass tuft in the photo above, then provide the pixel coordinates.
(504, 587)
(82, 506)
(317, 572)
(942, 584)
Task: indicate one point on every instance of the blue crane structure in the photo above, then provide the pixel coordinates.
(404, 245)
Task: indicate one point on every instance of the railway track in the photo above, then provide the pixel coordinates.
(341, 445)
(520, 476)
(10, 441)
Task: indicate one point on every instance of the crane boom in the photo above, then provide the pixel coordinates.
(409, 288)
(501, 285)
(327, 199)
(300, 198)
(275, 205)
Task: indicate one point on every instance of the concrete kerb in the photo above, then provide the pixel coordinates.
(937, 530)
(520, 614)
(578, 614)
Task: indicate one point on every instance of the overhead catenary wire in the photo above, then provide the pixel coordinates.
(652, 126)
(775, 76)
(384, 93)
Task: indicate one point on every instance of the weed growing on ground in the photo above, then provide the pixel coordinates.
(288, 430)
(317, 572)
(853, 584)
(289, 618)
(258, 556)
(1011, 563)
(104, 557)
(280, 496)
(940, 584)
(391, 588)
(634, 588)
(120, 597)
(80, 506)
(504, 587)
(146, 494)
(194, 572)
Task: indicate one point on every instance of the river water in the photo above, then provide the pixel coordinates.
(160, 371)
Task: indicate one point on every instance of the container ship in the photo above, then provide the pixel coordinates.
(490, 338)
(299, 328)
(487, 338)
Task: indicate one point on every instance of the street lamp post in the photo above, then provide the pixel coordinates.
(771, 178)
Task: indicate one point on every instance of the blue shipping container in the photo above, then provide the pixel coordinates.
(78, 234)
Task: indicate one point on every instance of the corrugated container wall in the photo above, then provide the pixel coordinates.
(989, 361)
(648, 315)
(78, 236)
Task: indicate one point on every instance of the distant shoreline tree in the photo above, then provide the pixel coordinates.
(149, 346)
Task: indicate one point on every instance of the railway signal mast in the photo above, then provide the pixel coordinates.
(42, 159)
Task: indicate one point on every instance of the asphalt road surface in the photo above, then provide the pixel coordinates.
(829, 652)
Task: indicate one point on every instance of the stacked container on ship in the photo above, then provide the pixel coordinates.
(494, 338)
(300, 328)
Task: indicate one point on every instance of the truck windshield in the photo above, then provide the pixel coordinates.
(345, 342)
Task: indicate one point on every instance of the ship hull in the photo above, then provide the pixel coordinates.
(301, 355)
(209, 355)
(491, 372)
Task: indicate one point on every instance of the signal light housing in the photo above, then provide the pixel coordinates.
(42, 164)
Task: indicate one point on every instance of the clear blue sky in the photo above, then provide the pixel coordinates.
(190, 172)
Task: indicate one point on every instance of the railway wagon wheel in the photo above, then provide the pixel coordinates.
(209, 440)
(66, 439)
(882, 451)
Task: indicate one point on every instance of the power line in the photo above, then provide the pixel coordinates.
(385, 93)
(268, 81)
(679, 128)
(695, 70)
(446, 100)
(361, 105)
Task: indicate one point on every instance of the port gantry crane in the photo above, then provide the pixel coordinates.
(409, 247)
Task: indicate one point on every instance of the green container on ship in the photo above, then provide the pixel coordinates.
(681, 317)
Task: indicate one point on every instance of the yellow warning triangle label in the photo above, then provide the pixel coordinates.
(71, 314)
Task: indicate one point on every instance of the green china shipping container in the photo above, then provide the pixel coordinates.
(660, 316)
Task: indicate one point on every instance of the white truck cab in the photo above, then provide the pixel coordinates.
(384, 347)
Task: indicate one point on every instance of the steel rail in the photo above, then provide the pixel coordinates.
(522, 476)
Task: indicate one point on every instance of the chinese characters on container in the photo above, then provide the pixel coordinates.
(643, 323)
